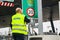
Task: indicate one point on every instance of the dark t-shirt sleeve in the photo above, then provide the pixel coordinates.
(26, 20)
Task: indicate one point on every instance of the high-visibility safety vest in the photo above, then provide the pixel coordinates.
(18, 24)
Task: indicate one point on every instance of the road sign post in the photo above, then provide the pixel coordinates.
(59, 10)
(36, 12)
(40, 27)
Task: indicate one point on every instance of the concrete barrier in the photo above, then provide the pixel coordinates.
(45, 37)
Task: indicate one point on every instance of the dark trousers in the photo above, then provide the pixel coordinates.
(17, 36)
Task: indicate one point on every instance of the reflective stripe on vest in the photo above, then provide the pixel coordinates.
(19, 29)
(18, 25)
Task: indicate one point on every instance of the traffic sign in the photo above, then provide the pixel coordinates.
(30, 12)
(27, 6)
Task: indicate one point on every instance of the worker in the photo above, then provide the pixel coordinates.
(18, 23)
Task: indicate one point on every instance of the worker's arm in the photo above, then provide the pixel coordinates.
(26, 20)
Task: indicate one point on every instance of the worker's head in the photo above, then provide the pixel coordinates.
(18, 10)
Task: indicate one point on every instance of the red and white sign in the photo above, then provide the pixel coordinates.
(6, 4)
(30, 12)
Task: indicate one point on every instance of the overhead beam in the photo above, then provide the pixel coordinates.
(50, 4)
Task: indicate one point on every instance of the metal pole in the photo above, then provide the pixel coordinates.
(51, 20)
(29, 25)
(40, 27)
(22, 5)
(59, 10)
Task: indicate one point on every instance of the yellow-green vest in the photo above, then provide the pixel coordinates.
(18, 24)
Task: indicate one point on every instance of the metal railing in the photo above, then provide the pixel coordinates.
(3, 37)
